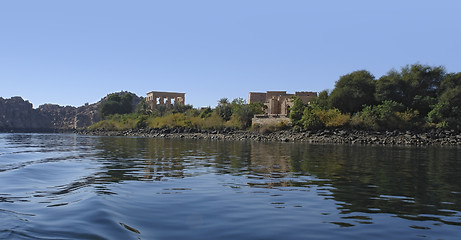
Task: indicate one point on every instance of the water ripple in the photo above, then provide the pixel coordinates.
(78, 187)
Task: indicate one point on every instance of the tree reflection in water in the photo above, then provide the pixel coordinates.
(408, 182)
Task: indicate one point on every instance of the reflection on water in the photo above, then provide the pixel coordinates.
(69, 186)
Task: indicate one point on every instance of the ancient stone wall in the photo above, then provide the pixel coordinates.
(279, 102)
(256, 97)
(167, 99)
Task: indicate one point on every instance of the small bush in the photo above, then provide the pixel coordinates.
(332, 118)
(264, 129)
(235, 123)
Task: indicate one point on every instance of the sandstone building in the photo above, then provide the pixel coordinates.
(279, 102)
(168, 99)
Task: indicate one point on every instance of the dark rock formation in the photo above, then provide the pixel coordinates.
(16, 114)
(59, 117)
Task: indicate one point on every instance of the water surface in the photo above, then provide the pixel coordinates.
(64, 186)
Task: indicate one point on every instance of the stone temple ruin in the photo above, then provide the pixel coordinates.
(168, 99)
(279, 102)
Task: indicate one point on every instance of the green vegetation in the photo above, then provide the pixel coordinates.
(235, 115)
(282, 125)
(353, 91)
(417, 96)
(116, 103)
(120, 122)
(389, 115)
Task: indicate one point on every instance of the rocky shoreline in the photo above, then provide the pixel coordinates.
(337, 136)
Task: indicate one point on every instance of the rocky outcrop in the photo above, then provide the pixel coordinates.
(16, 114)
(69, 117)
(59, 117)
(86, 116)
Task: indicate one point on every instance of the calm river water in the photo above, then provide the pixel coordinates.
(64, 186)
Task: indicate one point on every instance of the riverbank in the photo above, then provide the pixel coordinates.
(338, 136)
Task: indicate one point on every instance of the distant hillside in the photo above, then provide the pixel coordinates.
(17, 114)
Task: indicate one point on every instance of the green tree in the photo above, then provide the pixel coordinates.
(387, 115)
(127, 103)
(415, 86)
(224, 109)
(447, 112)
(353, 91)
(109, 108)
(421, 83)
(390, 87)
(257, 108)
(296, 112)
(322, 99)
(451, 80)
(142, 107)
(116, 103)
(242, 112)
(115, 97)
(423, 80)
(180, 108)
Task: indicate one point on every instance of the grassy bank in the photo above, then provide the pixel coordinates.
(119, 122)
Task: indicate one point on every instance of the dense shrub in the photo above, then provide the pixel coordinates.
(332, 118)
(264, 129)
(388, 115)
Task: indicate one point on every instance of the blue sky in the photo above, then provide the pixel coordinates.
(73, 52)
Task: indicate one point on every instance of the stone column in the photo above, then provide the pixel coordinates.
(168, 102)
(154, 102)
